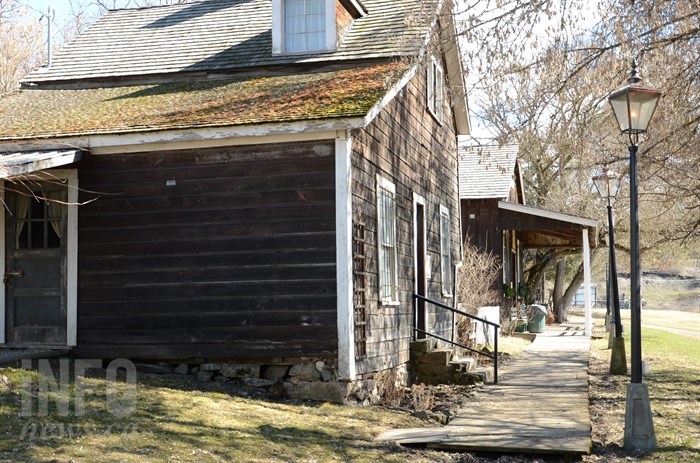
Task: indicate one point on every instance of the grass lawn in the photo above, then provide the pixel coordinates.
(174, 421)
(674, 390)
(179, 419)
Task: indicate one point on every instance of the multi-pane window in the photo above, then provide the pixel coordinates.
(435, 94)
(386, 241)
(304, 25)
(37, 221)
(445, 251)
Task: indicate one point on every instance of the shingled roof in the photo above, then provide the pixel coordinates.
(486, 171)
(223, 35)
(32, 114)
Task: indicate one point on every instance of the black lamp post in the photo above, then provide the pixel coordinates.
(608, 184)
(634, 105)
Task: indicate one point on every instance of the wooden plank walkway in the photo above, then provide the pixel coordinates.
(539, 406)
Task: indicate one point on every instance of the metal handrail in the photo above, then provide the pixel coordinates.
(495, 326)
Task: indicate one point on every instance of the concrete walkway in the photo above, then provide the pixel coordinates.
(539, 406)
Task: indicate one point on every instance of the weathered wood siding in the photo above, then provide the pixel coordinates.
(480, 227)
(480, 224)
(217, 253)
(408, 147)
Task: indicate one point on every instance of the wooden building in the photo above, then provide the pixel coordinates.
(237, 189)
(496, 219)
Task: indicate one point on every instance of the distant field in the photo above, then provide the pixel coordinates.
(687, 323)
(667, 292)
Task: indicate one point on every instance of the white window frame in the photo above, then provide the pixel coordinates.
(389, 262)
(435, 90)
(445, 252)
(278, 29)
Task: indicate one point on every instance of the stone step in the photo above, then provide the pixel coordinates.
(435, 357)
(468, 362)
(481, 374)
(423, 345)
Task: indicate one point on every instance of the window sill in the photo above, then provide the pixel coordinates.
(305, 53)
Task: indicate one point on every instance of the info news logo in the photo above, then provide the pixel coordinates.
(67, 389)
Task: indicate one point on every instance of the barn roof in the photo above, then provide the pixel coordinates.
(224, 35)
(487, 171)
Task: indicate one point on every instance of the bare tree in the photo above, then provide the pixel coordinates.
(21, 45)
(542, 81)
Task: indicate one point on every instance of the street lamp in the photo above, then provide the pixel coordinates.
(608, 184)
(634, 105)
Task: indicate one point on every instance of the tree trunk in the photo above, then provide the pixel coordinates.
(570, 292)
(560, 310)
(535, 274)
(562, 299)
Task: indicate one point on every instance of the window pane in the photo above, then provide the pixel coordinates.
(316, 7)
(305, 19)
(439, 92)
(315, 41)
(386, 245)
(430, 87)
(445, 257)
(315, 23)
(294, 8)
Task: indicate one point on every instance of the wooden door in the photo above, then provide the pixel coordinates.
(35, 264)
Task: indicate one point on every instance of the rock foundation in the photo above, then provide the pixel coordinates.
(310, 379)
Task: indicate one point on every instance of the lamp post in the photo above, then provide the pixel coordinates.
(608, 183)
(634, 105)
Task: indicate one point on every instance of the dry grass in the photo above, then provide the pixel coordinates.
(674, 388)
(688, 322)
(512, 345)
(174, 421)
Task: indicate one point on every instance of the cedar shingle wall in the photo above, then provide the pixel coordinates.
(406, 145)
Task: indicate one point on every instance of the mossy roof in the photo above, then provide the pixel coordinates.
(237, 101)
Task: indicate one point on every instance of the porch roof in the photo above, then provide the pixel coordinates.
(23, 163)
(539, 228)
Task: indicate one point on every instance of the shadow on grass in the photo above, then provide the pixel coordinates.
(342, 448)
(176, 415)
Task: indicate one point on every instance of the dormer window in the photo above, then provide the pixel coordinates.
(304, 25)
(311, 26)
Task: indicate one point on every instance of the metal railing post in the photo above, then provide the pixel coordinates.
(455, 311)
(495, 352)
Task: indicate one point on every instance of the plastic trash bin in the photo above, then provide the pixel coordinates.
(537, 320)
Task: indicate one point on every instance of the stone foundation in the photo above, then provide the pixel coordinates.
(310, 379)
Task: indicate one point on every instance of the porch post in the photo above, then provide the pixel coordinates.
(72, 259)
(587, 281)
(2, 263)
(343, 241)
